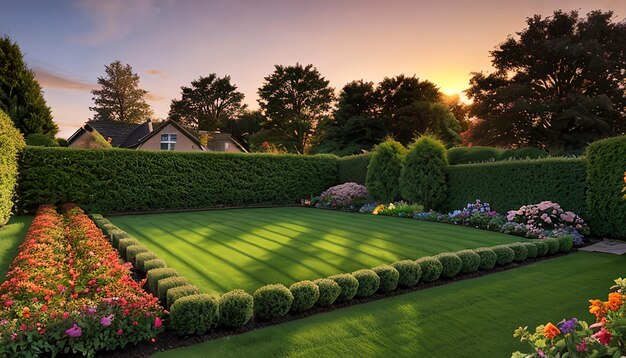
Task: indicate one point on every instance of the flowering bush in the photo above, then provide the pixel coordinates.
(477, 214)
(574, 338)
(546, 219)
(343, 196)
(68, 291)
(400, 208)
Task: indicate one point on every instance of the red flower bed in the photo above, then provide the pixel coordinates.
(68, 291)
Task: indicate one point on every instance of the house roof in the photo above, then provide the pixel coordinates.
(117, 131)
(182, 129)
(133, 138)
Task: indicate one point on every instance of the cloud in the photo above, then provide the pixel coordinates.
(50, 79)
(155, 72)
(114, 19)
(154, 97)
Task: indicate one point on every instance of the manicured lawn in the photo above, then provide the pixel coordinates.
(247, 248)
(471, 318)
(11, 236)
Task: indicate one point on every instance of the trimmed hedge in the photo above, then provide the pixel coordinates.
(423, 175)
(329, 291)
(451, 264)
(349, 286)
(488, 258)
(168, 283)
(353, 168)
(236, 308)
(520, 251)
(477, 154)
(431, 268)
(11, 142)
(305, 295)
(120, 180)
(512, 184)
(605, 180)
(566, 243)
(134, 250)
(142, 258)
(542, 248)
(531, 248)
(123, 244)
(157, 274)
(409, 272)
(272, 301)
(369, 282)
(175, 293)
(383, 172)
(553, 245)
(470, 260)
(153, 264)
(195, 314)
(389, 277)
(505, 255)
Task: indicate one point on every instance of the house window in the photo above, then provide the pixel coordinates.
(168, 141)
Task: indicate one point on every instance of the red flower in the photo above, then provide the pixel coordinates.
(158, 322)
(120, 332)
(603, 336)
(44, 308)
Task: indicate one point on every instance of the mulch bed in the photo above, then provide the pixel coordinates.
(168, 340)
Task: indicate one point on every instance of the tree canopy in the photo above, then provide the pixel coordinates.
(21, 96)
(120, 98)
(209, 102)
(559, 84)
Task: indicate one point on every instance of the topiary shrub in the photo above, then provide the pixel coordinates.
(383, 172)
(272, 301)
(142, 258)
(95, 217)
(520, 251)
(116, 236)
(134, 250)
(195, 314)
(423, 176)
(157, 274)
(11, 143)
(566, 243)
(431, 268)
(409, 272)
(470, 260)
(236, 308)
(175, 293)
(488, 258)
(389, 277)
(451, 263)
(531, 248)
(369, 282)
(329, 291)
(125, 243)
(505, 255)
(168, 283)
(305, 295)
(349, 286)
(542, 247)
(153, 264)
(553, 245)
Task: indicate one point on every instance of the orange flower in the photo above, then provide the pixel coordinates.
(597, 308)
(614, 302)
(26, 312)
(551, 330)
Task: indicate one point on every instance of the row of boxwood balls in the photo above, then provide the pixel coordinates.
(235, 308)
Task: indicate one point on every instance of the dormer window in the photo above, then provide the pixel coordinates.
(168, 141)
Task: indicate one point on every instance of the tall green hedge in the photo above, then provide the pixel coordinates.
(511, 184)
(383, 174)
(605, 180)
(11, 142)
(423, 174)
(353, 168)
(122, 180)
(477, 154)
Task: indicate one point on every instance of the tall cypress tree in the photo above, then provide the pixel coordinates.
(21, 96)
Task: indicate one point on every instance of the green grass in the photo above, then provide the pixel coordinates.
(11, 236)
(471, 318)
(247, 248)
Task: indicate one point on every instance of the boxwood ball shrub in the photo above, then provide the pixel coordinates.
(369, 282)
(153, 264)
(141, 259)
(272, 301)
(125, 243)
(505, 255)
(11, 143)
(134, 250)
(488, 258)
(195, 314)
(451, 263)
(409, 272)
(389, 277)
(470, 260)
(383, 172)
(431, 268)
(305, 295)
(349, 286)
(236, 308)
(329, 291)
(157, 274)
(553, 245)
(532, 249)
(520, 251)
(566, 243)
(423, 175)
(542, 247)
(168, 283)
(175, 293)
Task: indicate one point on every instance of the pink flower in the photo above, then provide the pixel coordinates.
(158, 322)
(8, 303)
(120, 332)
(603, 336)
(106, 320)
(582, 347)
(74, 331)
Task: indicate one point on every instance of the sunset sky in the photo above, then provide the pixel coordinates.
(169, 43)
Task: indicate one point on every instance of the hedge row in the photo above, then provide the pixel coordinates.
(119, 180)
(353, 168)
(477, 154)
(11, 142)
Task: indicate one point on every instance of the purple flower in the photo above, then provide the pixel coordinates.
(540, 353)
(568, 326)
(106, 321)
(74, 331)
